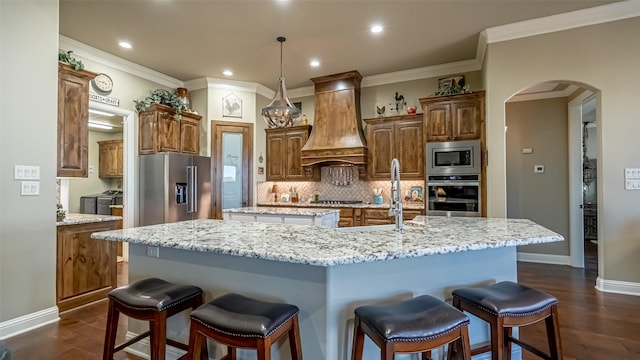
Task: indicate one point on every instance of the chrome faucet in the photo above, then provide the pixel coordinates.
(396, 200)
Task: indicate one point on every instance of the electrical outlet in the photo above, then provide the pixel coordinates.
(153, 251)
(538, 169)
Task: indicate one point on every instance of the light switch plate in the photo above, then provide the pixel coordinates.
(527, 150)
(30, 188)
(24, 172)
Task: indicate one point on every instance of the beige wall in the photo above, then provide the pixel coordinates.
(604, 57)
(28, 113)
(542, 197)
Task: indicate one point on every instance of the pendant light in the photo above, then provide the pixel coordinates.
(280, 112)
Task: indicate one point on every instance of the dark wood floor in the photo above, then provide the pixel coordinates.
(594, 325)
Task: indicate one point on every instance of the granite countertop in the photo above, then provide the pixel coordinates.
(75, 219)
(413, 206)
(282, 211)
(320, 246)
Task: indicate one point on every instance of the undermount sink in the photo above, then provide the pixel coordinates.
(368, 228)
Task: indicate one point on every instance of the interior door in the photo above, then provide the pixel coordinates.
(231, 149)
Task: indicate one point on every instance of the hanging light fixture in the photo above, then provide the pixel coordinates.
(280, 112)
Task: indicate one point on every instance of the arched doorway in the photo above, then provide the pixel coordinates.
(547, 128)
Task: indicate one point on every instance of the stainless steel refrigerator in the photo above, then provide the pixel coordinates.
(174, 187)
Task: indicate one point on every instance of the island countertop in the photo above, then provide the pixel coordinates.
(266, 210)
(313, 245)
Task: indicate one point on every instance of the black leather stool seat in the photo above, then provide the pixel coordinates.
(238, 315)
(507, 299)
(419, 318)
(153, 294)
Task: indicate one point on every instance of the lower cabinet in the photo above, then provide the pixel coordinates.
(86, 268)
(381, 216)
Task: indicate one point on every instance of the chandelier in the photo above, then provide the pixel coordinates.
(280, 112)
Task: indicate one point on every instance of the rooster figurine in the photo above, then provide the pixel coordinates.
(380, 110)
(399, 102)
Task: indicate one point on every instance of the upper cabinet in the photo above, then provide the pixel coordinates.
(73, 118)
(396, 137)
(453, 118)
(284, 147)
(110, 158)
(160, 131)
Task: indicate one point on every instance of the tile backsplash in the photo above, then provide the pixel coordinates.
(327, 190)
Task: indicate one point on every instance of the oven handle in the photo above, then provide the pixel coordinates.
(453, 183)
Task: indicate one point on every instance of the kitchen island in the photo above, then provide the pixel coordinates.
(327, 272)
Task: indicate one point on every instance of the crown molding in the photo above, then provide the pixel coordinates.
(421, 73)
(301, 92)
(559, 22)
(115, 62)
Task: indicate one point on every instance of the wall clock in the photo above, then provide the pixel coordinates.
(102, 84)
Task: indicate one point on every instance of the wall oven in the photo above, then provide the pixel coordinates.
(454, 195)
(453, 158)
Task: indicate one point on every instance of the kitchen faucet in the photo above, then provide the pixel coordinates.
(396, 202)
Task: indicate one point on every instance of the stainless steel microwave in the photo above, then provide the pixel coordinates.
(454, 158)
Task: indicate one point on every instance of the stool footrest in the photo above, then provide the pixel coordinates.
(528, 347)
(134, 340)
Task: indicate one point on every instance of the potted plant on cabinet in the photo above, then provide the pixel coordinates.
(164, 97)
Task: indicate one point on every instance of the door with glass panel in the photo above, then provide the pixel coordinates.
(231, 154)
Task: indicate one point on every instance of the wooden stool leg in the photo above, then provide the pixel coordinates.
(426, 355)
(506, 345)
(110, 334)
(264, 349)
(497, 339)
(195, 343)
(294, 339)
(553, 334)
(158, 336)
(358, 340)
(387, 352)
(465, 343)
(231, 353)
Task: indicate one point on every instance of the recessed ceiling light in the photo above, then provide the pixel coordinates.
(314, 63)
(125, 44)
(376, 29)
(228, 73)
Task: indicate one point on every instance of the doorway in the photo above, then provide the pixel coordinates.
(232, 160)
(552, 149)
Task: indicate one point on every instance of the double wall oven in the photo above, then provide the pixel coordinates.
(453, 178)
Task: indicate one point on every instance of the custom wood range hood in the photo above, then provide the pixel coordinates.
(337, 137)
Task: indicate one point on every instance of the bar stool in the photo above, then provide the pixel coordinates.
(152, 300)
(420, 324)
(241, 322)
(505, 305)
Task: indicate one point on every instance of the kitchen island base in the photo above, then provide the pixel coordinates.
(327, 295)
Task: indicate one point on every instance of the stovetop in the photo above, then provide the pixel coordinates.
(337, 202)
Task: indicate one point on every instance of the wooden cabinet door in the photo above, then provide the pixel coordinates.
(73, 118)
(295, 140)
(168, 132)
(276, 147)
(190, 134)
(409, 214)
(346, 217)
(110, 158)
(409, 149)
(380, 142)
(465, 120)
(438, 122)
(86, 268)
(147, 128)
(377, 217)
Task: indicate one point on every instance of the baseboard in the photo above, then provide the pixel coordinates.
(28, 322)
(618, 287)
(544, 258)
(141, 348)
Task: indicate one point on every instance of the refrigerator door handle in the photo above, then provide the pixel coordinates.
(192, 189)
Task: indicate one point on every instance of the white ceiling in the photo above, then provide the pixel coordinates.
(189, 39)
